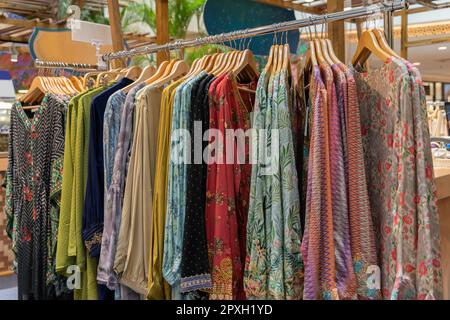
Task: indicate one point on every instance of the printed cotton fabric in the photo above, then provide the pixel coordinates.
(400, 176)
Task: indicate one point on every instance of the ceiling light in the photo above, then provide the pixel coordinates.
(22, 91)
(442, 48)
(416, 63)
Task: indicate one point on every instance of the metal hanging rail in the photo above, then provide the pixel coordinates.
(387, 6)
(64, 65)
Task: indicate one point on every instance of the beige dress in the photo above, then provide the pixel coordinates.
(133, 247)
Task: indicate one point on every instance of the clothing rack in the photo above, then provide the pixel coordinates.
(64, 65)
(386, 6)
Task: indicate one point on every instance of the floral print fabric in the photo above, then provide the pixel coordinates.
(274, 266)
(227, 190)
(401, 187)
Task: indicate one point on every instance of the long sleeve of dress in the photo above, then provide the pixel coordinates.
(56, 174)
(62, 255)
(11, 220)
(429, 284)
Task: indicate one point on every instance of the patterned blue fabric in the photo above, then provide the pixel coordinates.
(111, 127)
(176, 201)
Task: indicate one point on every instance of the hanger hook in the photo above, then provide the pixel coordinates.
(309, 32)
(273, 38)
(309, 27)
(325, 26)
(274, 35)
(240, 40)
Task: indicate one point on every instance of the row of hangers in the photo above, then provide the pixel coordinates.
(57, 85)
(372, 41)
(72, 85)
(241, 63)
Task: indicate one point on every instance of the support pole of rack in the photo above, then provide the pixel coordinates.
(389, 28)
(162, 28)
(404, 34)
(336, 29)
(116, 30)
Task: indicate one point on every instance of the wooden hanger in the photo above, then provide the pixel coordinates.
(280, 57)
(197, 66)
(211, 63)
(145, 74)
(59, 85)
(331, 52)
(247, 62)
(179, 69)
(326, 52)
(383, 43)
(229, 58)
(319, 52)
(232, 60)
(170, 67)
(194, 66)
(77, 83)
(67, 84)
(205, 62)
(311, 59)
(367, 45)
(159, 73)
(287, 60)
(275, 59)
(133, 73)
(219, 63)
(52, 85)
(37, 89)
(268, 66)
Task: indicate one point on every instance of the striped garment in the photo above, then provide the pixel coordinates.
(345, 276)
(318, 243)
(361, 226)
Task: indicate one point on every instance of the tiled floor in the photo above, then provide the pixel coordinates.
(8, 288)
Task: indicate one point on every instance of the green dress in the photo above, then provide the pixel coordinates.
(70, 248)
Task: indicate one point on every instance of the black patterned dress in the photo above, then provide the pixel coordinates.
(34, 175)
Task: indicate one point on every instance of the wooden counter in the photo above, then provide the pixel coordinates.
(442, 176)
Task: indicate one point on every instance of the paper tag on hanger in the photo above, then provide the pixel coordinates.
(87, 31)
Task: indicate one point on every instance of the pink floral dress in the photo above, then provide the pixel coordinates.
(401, 187)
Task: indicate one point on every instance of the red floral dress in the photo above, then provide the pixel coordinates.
(228, 185)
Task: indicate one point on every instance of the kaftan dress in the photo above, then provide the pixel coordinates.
(34, 177)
